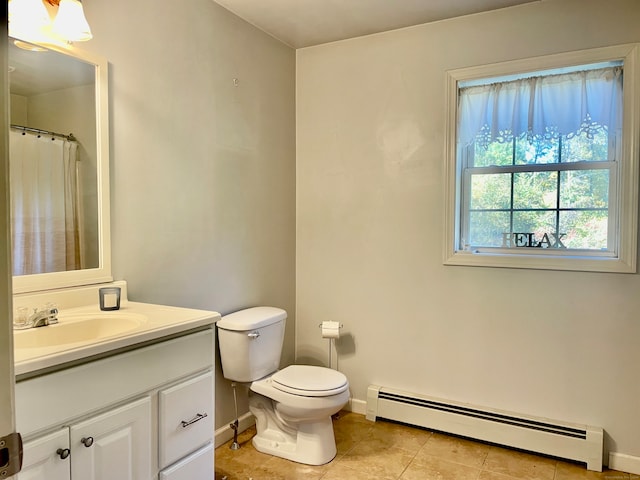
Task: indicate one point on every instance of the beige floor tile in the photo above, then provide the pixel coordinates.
(295, 471)
(570, 471)
(349, 429)
(485, 475)
(400, 436)
(372, 456)
(520, 465)
(438, 469)
(342, 472)
(238, 471)
(453, 449)
(344, 418)
(388, 451)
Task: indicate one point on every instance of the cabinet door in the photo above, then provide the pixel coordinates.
(114, 445)
(197, 466)
(41, 458)
(185, 418)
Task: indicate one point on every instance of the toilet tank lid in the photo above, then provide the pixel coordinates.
(251, 318)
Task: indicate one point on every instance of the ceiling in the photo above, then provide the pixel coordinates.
(35, 73)
(302, 23)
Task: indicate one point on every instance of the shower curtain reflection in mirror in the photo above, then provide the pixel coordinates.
(45, 204)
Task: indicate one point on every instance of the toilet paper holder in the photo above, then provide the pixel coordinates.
(330, 330)
(320, 325)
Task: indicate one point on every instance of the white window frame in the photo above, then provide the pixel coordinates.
(626, 202)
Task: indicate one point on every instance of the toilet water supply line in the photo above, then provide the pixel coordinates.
(234, 426)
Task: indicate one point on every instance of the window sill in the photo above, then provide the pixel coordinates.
(540, 262)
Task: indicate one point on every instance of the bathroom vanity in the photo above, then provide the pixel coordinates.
(130, 404)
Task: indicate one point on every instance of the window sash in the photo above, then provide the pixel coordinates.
(465, 203)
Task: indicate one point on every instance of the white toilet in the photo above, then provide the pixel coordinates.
(293, 406)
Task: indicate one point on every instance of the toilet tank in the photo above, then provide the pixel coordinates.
(251, 342)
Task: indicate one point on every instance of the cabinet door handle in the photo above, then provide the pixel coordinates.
(63, 452)
(87, 441)
(195, 419)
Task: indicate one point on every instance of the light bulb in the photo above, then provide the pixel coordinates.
(70, 22)
(28, 19)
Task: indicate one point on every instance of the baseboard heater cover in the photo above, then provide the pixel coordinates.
(577, 442)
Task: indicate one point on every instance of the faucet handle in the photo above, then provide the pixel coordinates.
(52, 313)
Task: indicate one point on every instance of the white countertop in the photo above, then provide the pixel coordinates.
(162, 321)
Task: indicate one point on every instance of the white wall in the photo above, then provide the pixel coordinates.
(370, 141)
(202, 171)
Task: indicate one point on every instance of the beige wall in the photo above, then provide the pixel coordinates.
(202, 171)
(370, 141)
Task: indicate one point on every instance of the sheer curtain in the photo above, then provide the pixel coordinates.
(44, 204)
(543, 106)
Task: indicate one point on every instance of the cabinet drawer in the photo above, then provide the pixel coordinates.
(185, 418)
(197, 466)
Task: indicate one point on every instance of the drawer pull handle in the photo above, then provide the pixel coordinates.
(195, 419)
(63, 452)
(87, 442)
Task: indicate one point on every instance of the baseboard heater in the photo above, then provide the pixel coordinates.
(559, 439)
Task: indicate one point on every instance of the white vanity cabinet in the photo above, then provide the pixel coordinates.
(47, 457)
(142, 414)
(116, 444)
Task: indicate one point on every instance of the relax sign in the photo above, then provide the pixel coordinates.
(521, 239)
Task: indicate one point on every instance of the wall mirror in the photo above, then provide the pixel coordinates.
(59, 167)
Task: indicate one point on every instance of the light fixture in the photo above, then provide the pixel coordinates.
(58, 21)
(28, 19)
(70, 22)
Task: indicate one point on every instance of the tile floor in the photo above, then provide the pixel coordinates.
(388, 451)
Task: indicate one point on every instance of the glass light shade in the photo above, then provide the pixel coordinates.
(70, 22)
(28, 19)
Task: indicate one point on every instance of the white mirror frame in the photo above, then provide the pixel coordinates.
(56, 280)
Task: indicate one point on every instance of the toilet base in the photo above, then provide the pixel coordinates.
(310, 443)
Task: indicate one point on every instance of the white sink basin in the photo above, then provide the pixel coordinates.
(79, 328)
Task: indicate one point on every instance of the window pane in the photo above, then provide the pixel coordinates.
(580, 148)
(534, 222)
(584, 229)
(535, 190)
(491, 191)
(494, 154)
(536, 151)
(584, 189)
(486, 228)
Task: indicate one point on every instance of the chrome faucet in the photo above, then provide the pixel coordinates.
(46, 316)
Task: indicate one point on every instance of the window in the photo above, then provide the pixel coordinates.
(542, 166)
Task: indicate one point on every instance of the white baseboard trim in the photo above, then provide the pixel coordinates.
(357, 406)
(624, 463)
(224, 434)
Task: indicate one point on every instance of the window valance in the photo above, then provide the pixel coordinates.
(548, 106)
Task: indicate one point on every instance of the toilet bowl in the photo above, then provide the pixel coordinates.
(293, 406)
(294, 421)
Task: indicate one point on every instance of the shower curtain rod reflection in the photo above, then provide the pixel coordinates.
(47, 133)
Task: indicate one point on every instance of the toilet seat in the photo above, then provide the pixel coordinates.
(309, 381)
